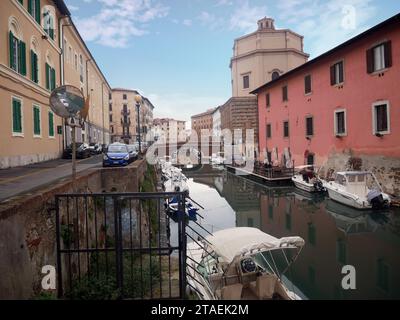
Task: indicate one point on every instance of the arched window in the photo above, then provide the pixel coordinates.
(17, 47)
(34, 56)
(275, 75)
(48, 21)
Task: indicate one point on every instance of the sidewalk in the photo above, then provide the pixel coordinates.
(17, 181)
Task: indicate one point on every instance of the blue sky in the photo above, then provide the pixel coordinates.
(177, 52)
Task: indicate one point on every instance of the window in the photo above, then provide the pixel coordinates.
(269, 131)
(381, 118)
(34, 9)
(109, 96)
(51, 124)
(285, 129)
(285, 93)
(50, 77)
(34, 67)
(337, 73)
(111, 119)
(36, 121)
(17, 54)
(307, 84)
(81, 68)
(309, 126)
(110, 107)
(267, 100)
(70, 55)
(246, 82)
(76, 62)
(48, 23)
(379, 57)
(340, 123)
(271, 212)
(275, 75)
(124, 96)
(112, 129)
(310, 159)
(16, 116)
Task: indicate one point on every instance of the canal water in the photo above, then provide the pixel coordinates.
(335, 235)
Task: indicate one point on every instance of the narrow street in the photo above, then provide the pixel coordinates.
(22, 180)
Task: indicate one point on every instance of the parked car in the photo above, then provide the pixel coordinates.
(117, 154)
(82, 151)
(95, 148)
(133, 152)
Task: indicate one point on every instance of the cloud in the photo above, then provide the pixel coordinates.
(245, 17)
(187, 22)
(73, 8)
(211, 21)
(224, 3)
(120, 20)
(326, 23)
(182, 105)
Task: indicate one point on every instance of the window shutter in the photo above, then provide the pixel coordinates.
(53, 78)
(22, 56)
(51, 124)
(370, 61)
(36, 69)
(388, 54)
(37, 11)
(47, 76)
(30, 6)
(341, 72)
(12, 62)
(333, 80)
(15, 123)
(33, 66)
(19, 116)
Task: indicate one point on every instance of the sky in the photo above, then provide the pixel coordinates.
(177, 52)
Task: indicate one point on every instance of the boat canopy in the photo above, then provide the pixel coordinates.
(231, 243)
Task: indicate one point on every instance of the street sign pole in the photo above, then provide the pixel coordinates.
(73, 141)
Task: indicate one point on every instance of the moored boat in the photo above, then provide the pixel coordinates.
(242, 264)
(360, 190)
(306, 179)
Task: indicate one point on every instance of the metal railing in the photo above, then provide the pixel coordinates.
(120, 245)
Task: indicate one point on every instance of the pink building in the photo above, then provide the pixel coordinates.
(343, 103)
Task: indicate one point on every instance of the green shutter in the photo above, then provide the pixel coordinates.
(33, 66)
(21, 2)
(37, 11)
(53, 79)
(36, 121)
(51, 124)
(36, 69)
(12, 62)
(47, 76)
(17, 118)
(22, 58)
(30, 6)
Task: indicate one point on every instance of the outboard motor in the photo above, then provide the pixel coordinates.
(319, 186)
(376, 200)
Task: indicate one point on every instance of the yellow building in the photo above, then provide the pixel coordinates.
(123, 116)
(34, 59)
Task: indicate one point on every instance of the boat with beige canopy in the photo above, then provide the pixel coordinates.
(242, 264)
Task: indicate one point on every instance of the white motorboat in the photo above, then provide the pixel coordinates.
(360, 190)
(242, 264)
(176, 183)
(306, 179)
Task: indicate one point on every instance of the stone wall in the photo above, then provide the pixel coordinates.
(27, 226)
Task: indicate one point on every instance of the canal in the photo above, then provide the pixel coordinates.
(335, 235)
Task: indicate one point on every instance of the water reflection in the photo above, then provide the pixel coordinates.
(335, 235)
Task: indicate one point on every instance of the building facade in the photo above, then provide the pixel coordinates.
(123, 116)
(338, 106)
(169, 130)
(216, 119)
(43, 50)
(203, 121)
(262, 55)
(29, 70)
(79, 69)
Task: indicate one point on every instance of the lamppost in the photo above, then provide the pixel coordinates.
(138, 99)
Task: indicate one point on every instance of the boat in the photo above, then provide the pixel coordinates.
(217, 159)
(306, 179)
(358, 189)
(191, 211)
(242, 264)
